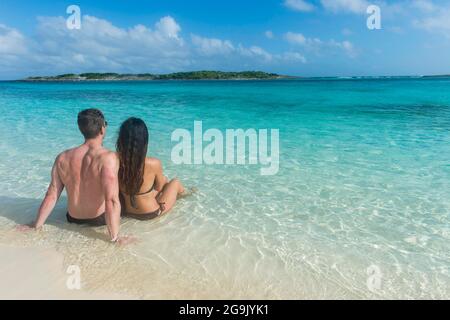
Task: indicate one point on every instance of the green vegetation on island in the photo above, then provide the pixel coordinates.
(194, 75)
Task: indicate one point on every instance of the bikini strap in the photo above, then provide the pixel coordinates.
(144, 193)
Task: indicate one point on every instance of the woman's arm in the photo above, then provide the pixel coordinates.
(160, 179)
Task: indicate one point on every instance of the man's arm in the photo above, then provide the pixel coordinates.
(51, 197)
(110, 184)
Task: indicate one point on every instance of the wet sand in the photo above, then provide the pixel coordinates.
(34, 273)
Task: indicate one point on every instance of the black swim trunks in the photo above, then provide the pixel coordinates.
(95, 222)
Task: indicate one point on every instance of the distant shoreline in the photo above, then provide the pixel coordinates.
(205, 76)
(149, 80)
(195, 75)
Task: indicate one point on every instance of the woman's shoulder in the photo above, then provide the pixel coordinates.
(153, 162)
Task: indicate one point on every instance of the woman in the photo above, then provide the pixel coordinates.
(145, 191)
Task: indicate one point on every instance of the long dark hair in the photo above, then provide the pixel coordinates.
(132, 145)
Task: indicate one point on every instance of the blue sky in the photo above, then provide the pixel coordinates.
(295, 37)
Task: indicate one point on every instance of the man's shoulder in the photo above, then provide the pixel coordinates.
(109, 158)
(71, 152)
(65, 154)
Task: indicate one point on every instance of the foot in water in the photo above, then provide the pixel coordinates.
(187, 192)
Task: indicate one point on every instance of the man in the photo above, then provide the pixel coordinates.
(90, 175)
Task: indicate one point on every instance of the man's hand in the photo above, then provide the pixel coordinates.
(26, 227)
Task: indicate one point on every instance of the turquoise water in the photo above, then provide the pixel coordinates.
(363, 185)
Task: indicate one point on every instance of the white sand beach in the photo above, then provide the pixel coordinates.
(33, 273)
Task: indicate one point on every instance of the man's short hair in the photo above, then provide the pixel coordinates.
(90, 123)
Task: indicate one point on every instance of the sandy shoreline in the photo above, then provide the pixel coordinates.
(35, 273)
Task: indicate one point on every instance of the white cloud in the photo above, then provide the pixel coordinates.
(168, 27)
(319, 46)
(212, 46)
(424, 5)
(12, 49)
(295, 38)
(269, 34)
(293, 57)
(255, 51)
(299, 5)
(300, 40)
(346, 46)
(352, 6)
(226, 50)
(389, 9)
(11, 41)
(97, 46)
(439, 22)
(100, 46)
(435, 19)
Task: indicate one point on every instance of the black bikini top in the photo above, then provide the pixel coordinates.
(144, 193)
(133, 199)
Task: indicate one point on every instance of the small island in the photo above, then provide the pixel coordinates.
(194, 75)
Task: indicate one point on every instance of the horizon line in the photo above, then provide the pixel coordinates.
(281, 75)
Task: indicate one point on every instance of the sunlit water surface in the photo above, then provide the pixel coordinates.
(362, 193)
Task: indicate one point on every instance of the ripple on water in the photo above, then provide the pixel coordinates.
(363, 182)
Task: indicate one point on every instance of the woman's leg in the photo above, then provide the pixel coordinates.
(168, 195)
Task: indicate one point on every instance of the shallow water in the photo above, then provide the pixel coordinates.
(363, 185)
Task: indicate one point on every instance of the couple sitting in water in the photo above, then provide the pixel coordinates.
(97, 179)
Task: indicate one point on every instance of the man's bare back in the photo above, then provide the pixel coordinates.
(80, 171)
(90, 175)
